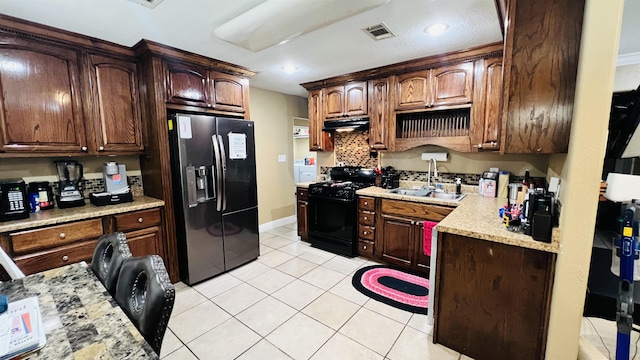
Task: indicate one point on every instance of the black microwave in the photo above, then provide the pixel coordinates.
(13, 200)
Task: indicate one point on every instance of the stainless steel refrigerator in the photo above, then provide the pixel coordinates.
(215, 197)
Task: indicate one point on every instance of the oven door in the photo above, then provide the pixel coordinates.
(332, 224)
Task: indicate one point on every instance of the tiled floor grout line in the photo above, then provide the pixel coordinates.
(297, 311)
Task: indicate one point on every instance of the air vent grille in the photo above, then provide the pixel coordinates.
(379, 32)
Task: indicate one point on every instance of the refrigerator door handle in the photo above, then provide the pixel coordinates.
(218, 172)
(223, 156)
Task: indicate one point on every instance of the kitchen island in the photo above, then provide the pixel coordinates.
(492, 287)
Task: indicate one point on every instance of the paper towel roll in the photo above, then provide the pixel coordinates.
(622, 187)
(503, 183)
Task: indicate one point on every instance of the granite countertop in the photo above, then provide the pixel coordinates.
(89, 211)
(81, 320)
(474, 216)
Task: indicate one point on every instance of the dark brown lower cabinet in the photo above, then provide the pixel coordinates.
(492, 299)
(302, 200)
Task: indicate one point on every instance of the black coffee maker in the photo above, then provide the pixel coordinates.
(539, 205)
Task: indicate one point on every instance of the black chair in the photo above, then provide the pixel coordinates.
(110, 253)
(145, 293)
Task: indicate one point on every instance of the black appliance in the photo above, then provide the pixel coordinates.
(346, 124)
(213, 166)
(40, 196)
(391, 181)
(333, 213)
(70, 193)
(13, 200)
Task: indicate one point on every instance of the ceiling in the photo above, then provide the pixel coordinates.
(337, 49)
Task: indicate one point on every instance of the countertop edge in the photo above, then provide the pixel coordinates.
(468, 208)
(88, 211)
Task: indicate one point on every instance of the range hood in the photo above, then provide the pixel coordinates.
(346, 124)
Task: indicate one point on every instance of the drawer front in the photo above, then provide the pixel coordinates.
(137, 220)
(302, 194)
(365, 248)
(366, 232)
(366, 203)
(366, 218)
(31, 240)
(33, 263)
(415, 210)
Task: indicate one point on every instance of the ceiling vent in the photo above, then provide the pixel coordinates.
(148, 3)
(379, 32)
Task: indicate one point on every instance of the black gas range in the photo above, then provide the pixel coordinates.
(333, 211)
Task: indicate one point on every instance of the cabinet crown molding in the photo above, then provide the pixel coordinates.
(429, 62)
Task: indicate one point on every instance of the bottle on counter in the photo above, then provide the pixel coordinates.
(503, 184)
(458, 186)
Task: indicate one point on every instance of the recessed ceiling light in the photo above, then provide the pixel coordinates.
(436, 29)
(289, 69)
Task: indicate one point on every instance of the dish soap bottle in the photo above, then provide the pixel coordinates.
(458, 186)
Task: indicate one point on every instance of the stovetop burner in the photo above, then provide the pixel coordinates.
(345, 181)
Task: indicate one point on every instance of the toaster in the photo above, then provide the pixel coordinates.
(13, 200)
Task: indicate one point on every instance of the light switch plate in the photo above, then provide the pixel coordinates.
(282, 158)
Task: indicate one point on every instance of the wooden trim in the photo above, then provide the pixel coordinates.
(506, 73)
(501, 8)
(55, 36)
(199, 110)
(458, 143)
(481, 52)
(145, 48)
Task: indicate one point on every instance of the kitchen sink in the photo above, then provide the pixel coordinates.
(427, 193)
(410, 192)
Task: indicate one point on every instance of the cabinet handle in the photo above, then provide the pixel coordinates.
(140, 220)
(84, 148)
(65, 258)
(364, 247)
(366, 218)
(479, 146)
(366, 203)
(63, 235)
(364, 233)
(101, 148)
(539, 149)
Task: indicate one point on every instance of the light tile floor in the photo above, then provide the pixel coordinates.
(294, 302)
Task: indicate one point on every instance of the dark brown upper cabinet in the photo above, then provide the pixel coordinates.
(188, 85)
(439, 87)
(379, 114)
(40, 98)
(542, 45)
(114, 109)
(349, 100)
(196, 86)
(487, 110)
(318, 140)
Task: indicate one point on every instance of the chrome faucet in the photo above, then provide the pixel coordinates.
(435, 172)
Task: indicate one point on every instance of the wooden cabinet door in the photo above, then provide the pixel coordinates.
(229, 92)
(145, 242)
(489, 109)
(355, 99)
(302, 197)
(187, 85)
(303, 225)
(318, 139)
(421, 260)
(413, 90)
(40, 106)
(379, 114)
(452, 85)
(394, 240)
(542, 47)
(115, 106)
(334, 106)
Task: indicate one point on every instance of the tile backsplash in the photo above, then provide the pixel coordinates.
(352, 149)
(97, 185)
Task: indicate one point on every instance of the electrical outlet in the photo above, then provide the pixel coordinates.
(282, 158)
(441, 156)
(340, 163)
